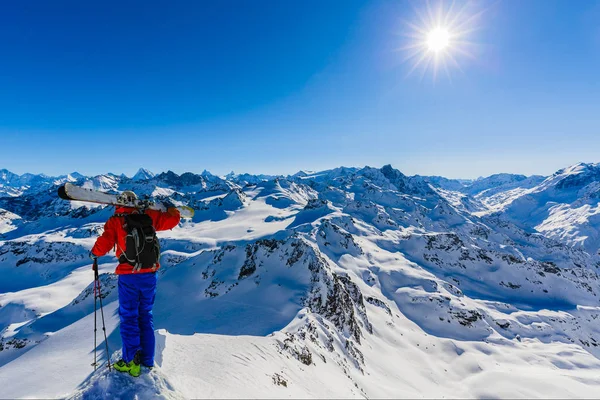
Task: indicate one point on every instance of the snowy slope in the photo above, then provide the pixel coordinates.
(8, 221)
(337, 284)
(565, 206)
(488, 186)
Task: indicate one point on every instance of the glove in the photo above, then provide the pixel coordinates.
(168, 203)
(93, 256)
(173, 211)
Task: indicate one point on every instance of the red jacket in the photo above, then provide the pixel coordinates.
(114, 233)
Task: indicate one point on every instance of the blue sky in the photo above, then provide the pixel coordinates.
(280, 86)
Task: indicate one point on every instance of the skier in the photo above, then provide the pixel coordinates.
(133, 234)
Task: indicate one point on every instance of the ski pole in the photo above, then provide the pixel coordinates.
(95, 364)
(101, 310)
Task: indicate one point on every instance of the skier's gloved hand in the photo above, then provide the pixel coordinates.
(168, 203)
(93, 256)
(173, 211)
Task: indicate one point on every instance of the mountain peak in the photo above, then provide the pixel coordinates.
(6, 176)
(142, 175)
(303, 173)
(391, 172)
(576, 176)
(74, 176)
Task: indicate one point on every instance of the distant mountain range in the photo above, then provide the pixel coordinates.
(350, 282)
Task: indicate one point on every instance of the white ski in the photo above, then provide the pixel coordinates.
(73, 192)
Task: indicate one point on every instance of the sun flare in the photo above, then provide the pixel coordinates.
(440, 37)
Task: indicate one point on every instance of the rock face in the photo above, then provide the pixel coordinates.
(332, 267)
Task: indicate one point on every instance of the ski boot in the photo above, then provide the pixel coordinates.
(133, 366)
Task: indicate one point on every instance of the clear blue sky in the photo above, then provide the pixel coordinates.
(279, 86)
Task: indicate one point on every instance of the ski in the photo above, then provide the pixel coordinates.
(77, 193)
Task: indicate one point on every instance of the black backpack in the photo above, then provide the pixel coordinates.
(142, 249)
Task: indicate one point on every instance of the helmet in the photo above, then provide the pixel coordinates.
(128, 197)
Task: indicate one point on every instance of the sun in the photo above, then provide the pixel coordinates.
(440, 37)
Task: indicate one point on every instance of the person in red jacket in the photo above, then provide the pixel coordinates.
(133, 237)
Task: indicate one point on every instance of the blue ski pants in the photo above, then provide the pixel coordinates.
(136, 298)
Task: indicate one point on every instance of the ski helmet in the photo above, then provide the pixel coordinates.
(128, 196)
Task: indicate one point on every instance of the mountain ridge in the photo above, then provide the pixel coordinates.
(351, 282)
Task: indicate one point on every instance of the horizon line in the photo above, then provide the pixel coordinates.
(288, 175)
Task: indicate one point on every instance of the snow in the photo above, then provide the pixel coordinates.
(61, 362)
(8, 221)
(142, 175)
(348, 283)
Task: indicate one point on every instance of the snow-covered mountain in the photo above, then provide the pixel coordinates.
(142, 175)
(352, 282)
(14, 185)
(485, 187)
(564, 206)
